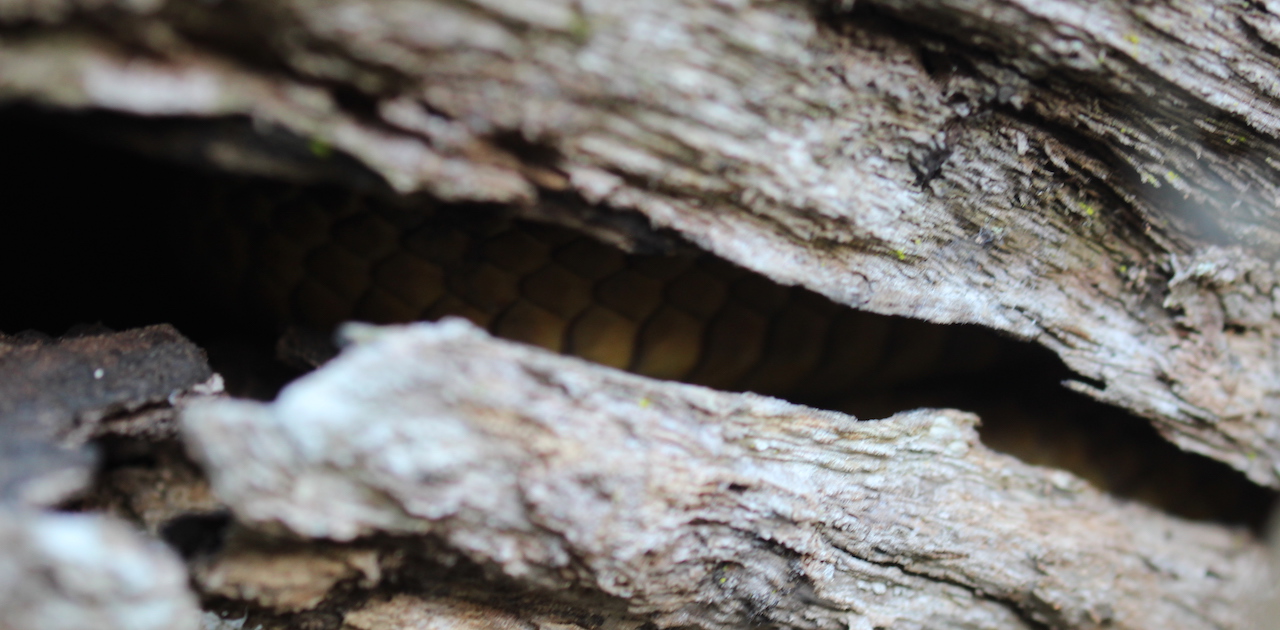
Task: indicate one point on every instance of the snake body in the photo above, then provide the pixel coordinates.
(312, 257)
(320, 259)
(127, 243)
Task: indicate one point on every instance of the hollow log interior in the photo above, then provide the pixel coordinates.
(97, 235)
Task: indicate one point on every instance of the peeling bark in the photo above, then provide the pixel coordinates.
(285, 578)
(1095, 177)
(57, 394)
(1098, 178)
(699, 507)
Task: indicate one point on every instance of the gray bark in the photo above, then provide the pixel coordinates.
(699, 507)
(72, 571)
(57, 394)
(1096, 177)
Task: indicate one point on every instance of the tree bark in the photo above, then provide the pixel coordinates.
(702, 508)
(1098, 178)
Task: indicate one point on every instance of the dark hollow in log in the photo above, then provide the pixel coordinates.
(105, 222)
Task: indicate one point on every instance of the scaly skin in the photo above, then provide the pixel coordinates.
(317, 258)
(305, 259)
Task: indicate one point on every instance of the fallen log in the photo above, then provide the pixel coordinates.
(700, 507)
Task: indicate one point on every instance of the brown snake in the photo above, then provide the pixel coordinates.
(279, 254)
(319, 257)
(318, 261)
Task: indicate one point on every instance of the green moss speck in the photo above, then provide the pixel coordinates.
(579, 29)
(320, 148)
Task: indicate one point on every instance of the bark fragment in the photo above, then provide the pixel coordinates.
(450, 613)
(283, 577)
(56, 395)
(701, 507)
(74, 571)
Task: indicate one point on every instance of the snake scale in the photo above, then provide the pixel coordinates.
(317, 257)
(195, 249)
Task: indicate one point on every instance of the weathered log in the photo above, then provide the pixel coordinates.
(1098, 178)
(701, 507)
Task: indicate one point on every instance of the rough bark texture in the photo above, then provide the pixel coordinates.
(1097, 177)
(56, 394)
(72, 571)
(699, 507)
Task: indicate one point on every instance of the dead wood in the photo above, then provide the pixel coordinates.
(74, 571)
(446, 613)
(699, 507)
(57, 394)
(71, 571)
(1097, 177)
(325, 586)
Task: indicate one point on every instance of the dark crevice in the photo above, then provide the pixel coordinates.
(89, 237)
(940, 62)
(1089, 382)
(193, 535)
(928, 167)
(361, 105)
(527, 151)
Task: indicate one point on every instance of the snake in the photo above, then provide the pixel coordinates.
(234, 261)
(315, 257)
(321, 258)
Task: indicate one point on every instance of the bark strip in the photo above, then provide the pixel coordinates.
(1097, 177)
(700, 507)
